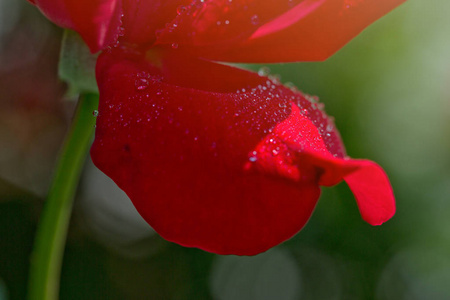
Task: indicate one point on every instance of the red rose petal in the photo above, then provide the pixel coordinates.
(182, 154)
(213, 26)
(300, 138)
(97, 21)
(311, 31)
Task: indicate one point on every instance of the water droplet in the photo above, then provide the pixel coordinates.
(181, 9)
(227, 22)
(174, 45)
(264, 71)
(143, 74)
(141, 84)
(276, 78)
(253, 156)
(275, 152)
(255, 20)
(95, 113)
(291, 86)
(282, 105)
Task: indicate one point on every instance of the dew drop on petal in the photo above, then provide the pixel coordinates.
(264, 71)
(291, 86)
(174, 46)
(255, 20)
(181, 9)
(95, 113)
(253, 156)
(141, 84)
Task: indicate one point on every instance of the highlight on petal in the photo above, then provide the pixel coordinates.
(97, 21)
(228, 171)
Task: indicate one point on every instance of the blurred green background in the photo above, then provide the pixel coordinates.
(389, 90)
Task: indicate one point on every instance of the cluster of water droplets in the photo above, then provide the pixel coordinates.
(171, 27)
(274, 157)
(142, 81)
(309, 106)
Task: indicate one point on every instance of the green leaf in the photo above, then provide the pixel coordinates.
(77, 65)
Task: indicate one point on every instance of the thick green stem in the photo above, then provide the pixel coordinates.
(52, 230)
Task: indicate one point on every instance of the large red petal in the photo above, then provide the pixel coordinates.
(312, 30)
(97, 21)
(182, 154)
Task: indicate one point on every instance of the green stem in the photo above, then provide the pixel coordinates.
(52, 230)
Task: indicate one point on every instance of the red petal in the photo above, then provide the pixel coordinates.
(97, 21)
(313, 30)
(181, 154)
(373, 192)
(307, 150)
(220, 24)
(231, 172)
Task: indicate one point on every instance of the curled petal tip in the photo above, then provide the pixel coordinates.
(373, 192)
(305, 156)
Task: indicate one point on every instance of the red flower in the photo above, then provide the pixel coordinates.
(212, 156)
